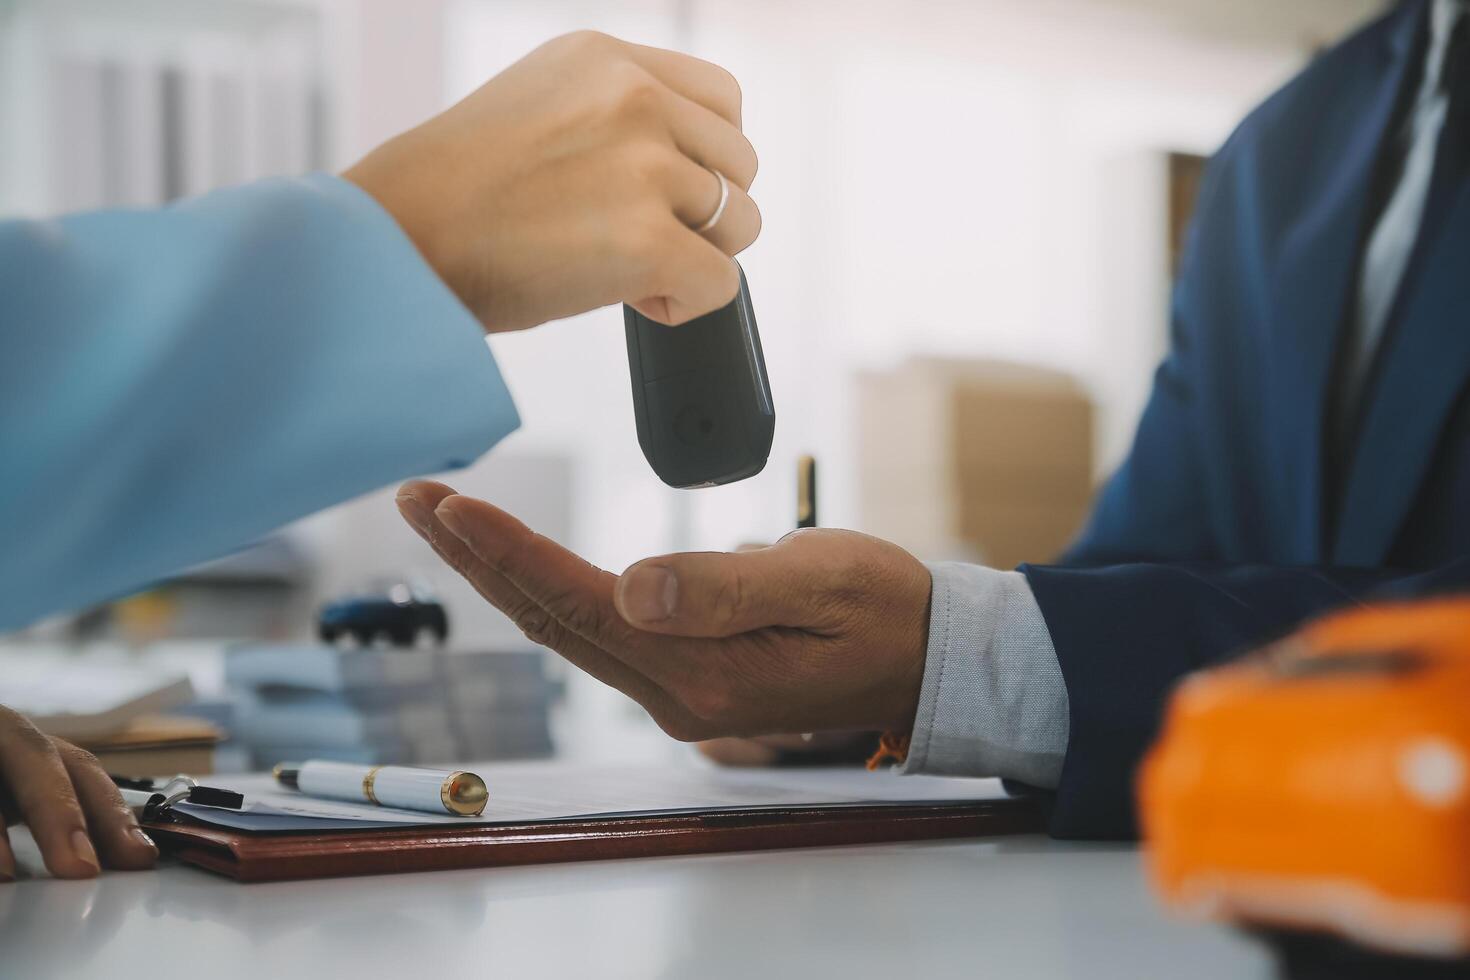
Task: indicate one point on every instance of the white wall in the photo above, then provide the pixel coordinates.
(83, 104)
(386, 60)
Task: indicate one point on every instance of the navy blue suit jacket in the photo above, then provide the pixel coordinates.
(1226, 525)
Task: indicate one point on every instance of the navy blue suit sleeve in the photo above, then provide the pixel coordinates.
(1125, 634)
(1152, 506)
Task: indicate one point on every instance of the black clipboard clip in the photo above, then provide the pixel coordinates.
(149, 800)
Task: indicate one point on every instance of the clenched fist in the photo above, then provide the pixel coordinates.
(575, 179)
(824, 631)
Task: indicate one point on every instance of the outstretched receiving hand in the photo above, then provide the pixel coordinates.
(823, 631)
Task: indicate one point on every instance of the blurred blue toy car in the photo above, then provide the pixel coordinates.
(399, 614)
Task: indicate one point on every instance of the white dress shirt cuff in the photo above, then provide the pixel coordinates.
(993, 700)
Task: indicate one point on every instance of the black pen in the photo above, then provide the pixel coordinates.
(806, 491)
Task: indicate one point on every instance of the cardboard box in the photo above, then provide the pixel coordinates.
(974, 459)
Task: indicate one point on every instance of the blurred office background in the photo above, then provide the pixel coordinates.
(971, 210)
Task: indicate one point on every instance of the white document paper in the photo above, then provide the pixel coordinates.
(535, 792)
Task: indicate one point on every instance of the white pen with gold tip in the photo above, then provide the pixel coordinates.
(426, 790)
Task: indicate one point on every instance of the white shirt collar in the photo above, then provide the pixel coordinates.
(1442, 19)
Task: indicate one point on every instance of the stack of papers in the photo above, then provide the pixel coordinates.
(77, 697)
(390, 706)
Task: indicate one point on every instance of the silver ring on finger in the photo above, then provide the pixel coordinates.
(719, 208)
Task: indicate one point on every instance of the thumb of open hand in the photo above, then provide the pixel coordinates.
(714, 594)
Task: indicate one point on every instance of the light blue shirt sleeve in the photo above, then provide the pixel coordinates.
(175, 383)
(993, 701)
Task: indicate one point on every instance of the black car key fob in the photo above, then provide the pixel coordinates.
(700, 395)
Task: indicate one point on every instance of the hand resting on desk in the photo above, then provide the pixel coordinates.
(74, 811)
(824, 631)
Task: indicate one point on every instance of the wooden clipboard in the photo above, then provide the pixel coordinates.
(284, 856)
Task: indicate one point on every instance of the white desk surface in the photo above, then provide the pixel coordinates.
(1022, 907)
